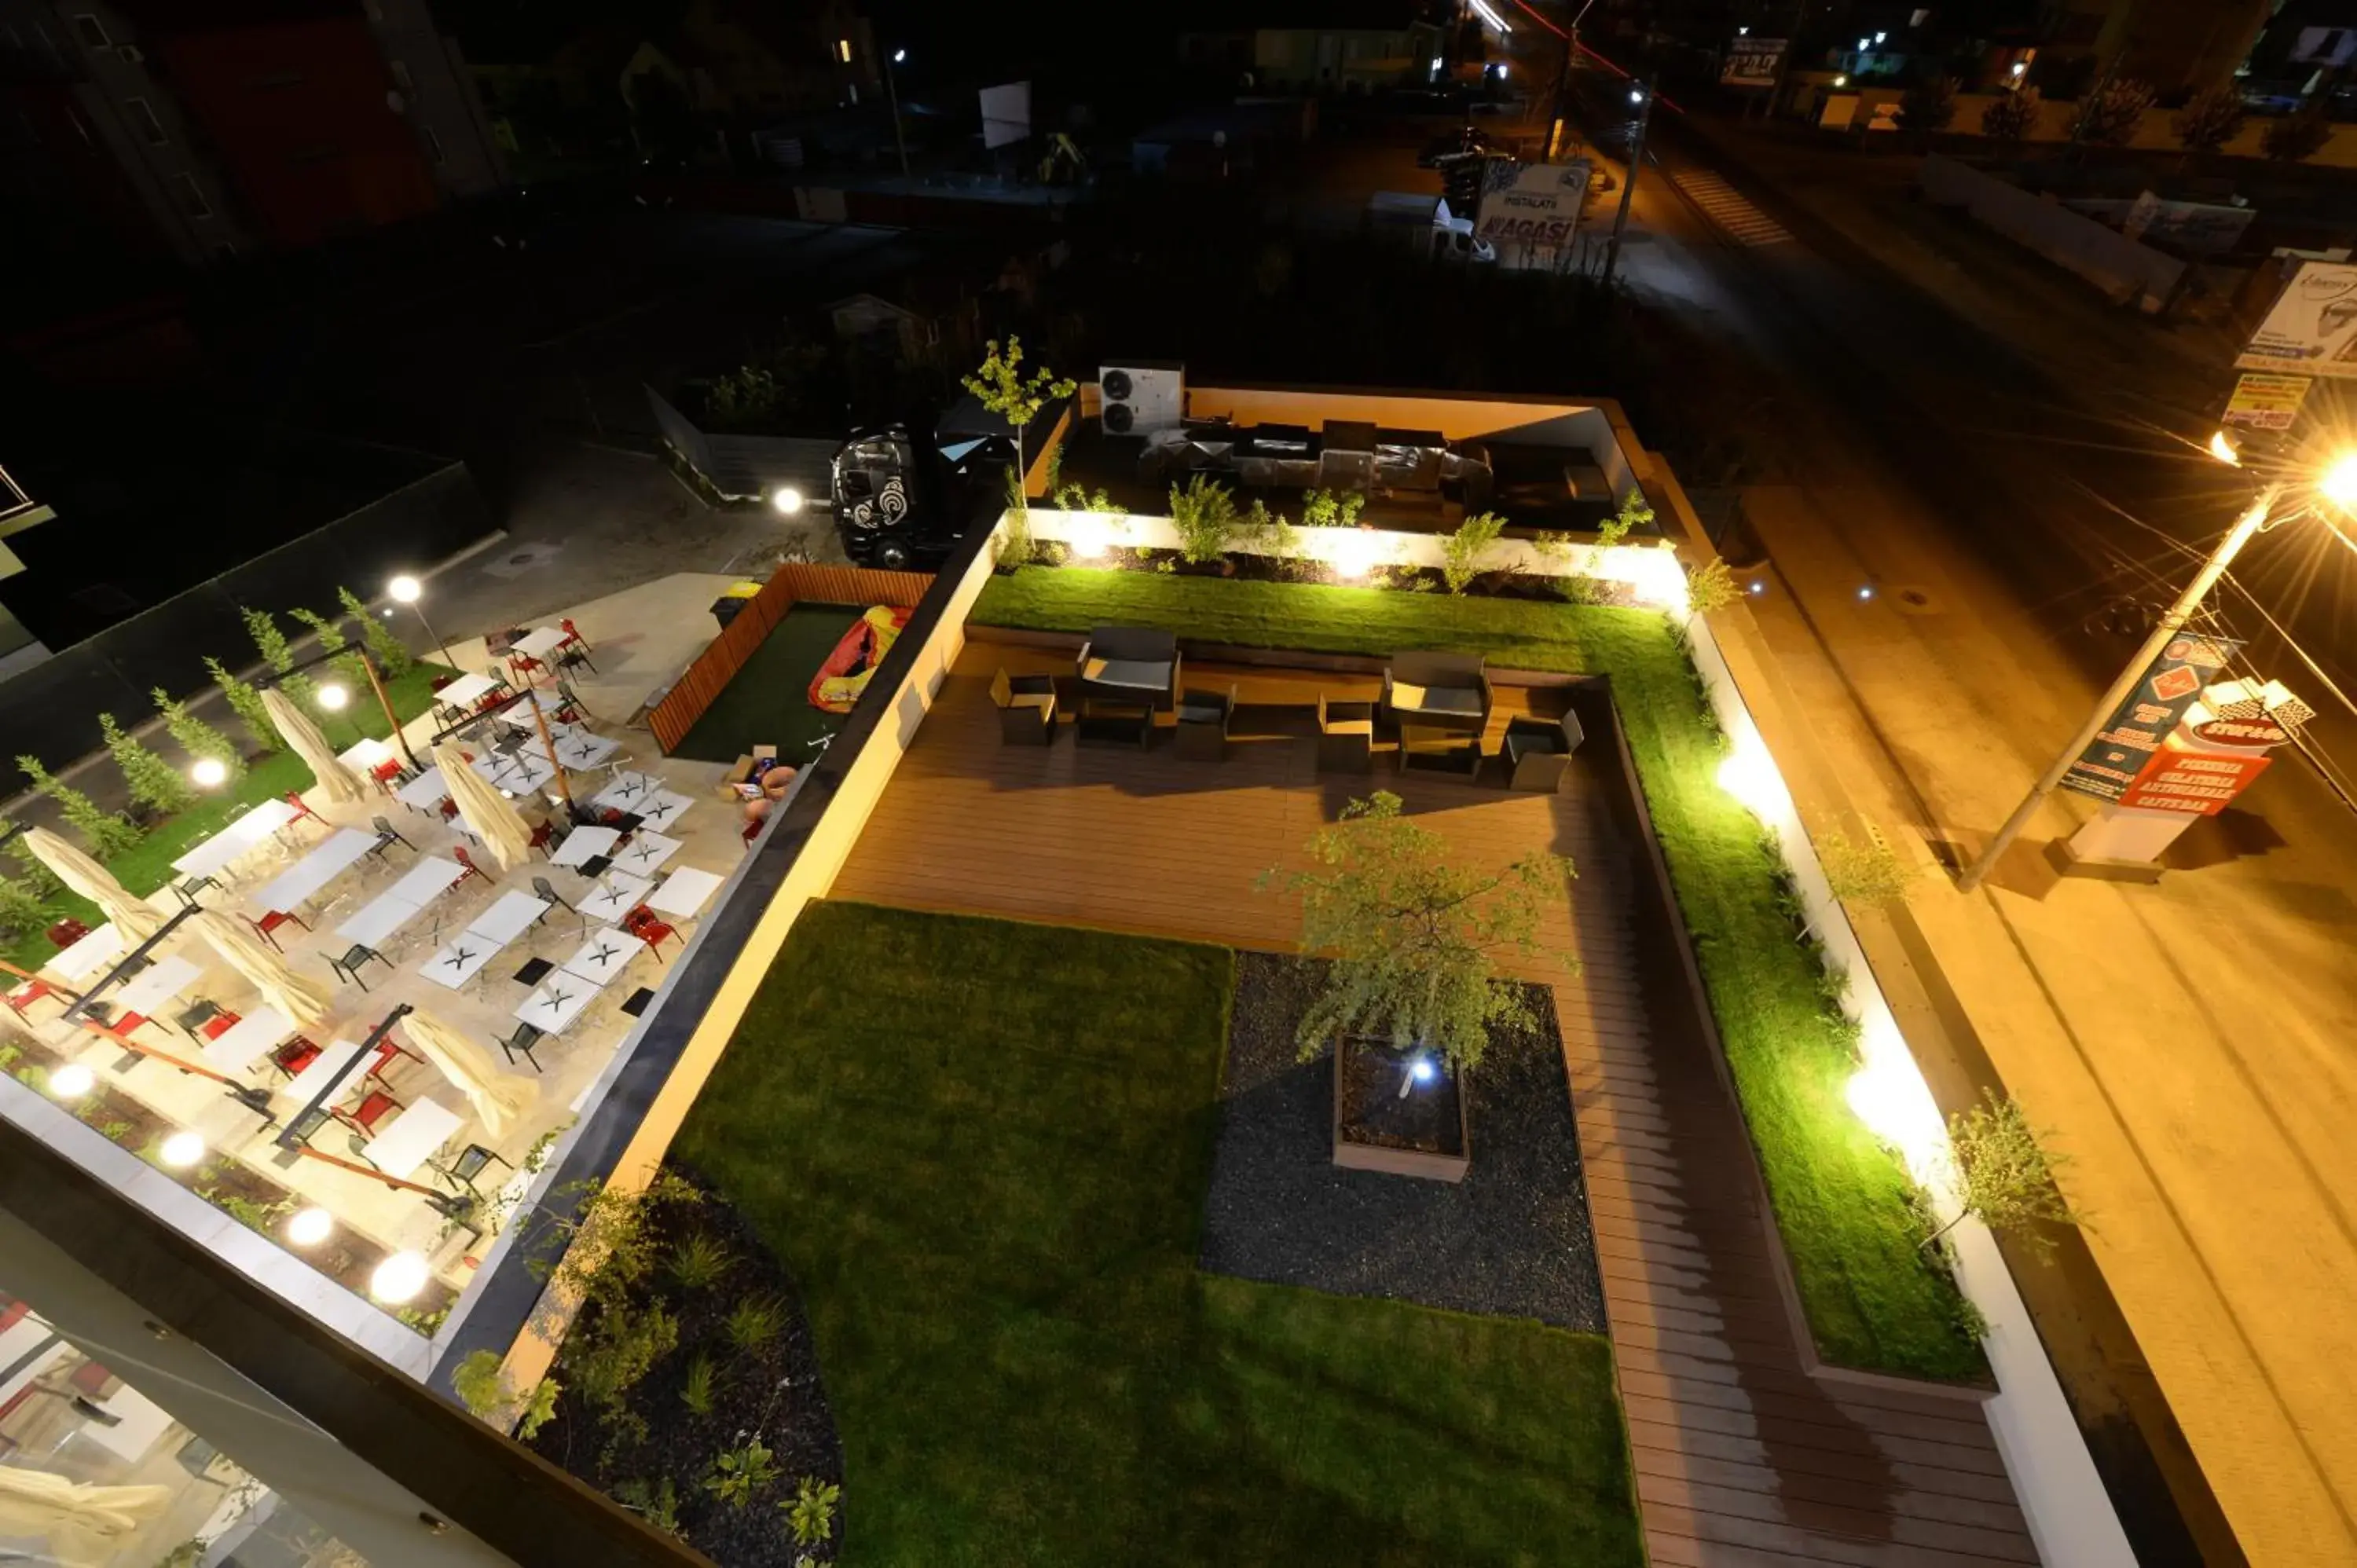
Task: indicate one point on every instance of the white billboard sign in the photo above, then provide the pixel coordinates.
(1525, 207)
(1005, 114)
(2312, 326)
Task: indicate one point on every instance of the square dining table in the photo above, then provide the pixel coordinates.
(614, 897)
(324, 1069)
(466, 690)
(645, 850)
(586, 749)
(662, 808)
(510, 916)
(87, 953)
(462, 958)
(559, 1001)
(415, 1135)
(605, 955)
(584, 844)
(685, 891)
(425, 792)
(625, 789)
(247, 1041)
(302, 881)
(156, 984)
(539, 642)
(238, 839)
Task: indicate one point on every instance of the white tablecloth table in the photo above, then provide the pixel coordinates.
(685, 891)
(378, 918)
(510, 916)
(539, 642)
(466, 690)
(584, 843)
(559, 1001)
(88, 954)
(157, 985)
(247, 1041)
(366, 754)
(239, 838)
(332, 1060)
(415, 1135)
(663, 809)
(424, 793)
(302, 881)
(605, 955)
(614, 897)
(645, 852)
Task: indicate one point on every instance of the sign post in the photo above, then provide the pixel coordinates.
(2211, 754)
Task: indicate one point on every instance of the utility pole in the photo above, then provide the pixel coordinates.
(1643, 96)
(1563, 82)
(892, 87)
(2253, 519)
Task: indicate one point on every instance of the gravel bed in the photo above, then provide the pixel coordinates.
(1511, 1239)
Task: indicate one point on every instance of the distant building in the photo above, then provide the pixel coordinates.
(18, 648)
(205, 128)
(1320, 46)
(2177, 45)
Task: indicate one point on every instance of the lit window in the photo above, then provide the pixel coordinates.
(843, 49)
(143, 117)
(92, 31)
(192, 197)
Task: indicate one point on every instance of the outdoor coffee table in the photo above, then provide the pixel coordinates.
(584, 844)
(510, 916)
(614, 899)
(685, 891)
(415, 1134)
(461, 960)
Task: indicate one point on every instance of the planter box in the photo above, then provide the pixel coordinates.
(1433, 1164)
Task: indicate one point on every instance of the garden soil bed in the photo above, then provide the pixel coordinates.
(1512, 1239)
(1376, 1128)
(772, 1391)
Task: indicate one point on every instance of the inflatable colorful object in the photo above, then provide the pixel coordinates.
(843, 676)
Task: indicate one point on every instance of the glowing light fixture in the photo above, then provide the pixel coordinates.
(404, 589)
(1865, 591)
(333, 697)
(900, 57)
(2021, 67)
(1353, 554)
(1879, 36)
(181, 1150)
(2222, 446)
(1422, 1070)
(843, 50)
(1889, 1095)
(787, 500)
(399, 1278)
(1757, 587)
(1636, 95)
(2338, 484)
(72, 1081)
(1086, 539)
(1749, 775)
(1842, 80)
(208, 772)
(310, 1227)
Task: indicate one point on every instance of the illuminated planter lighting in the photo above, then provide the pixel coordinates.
(399, 1278)
(1353, 554)
(182, 1149)
(310, 1227)
(209, 772)
(72, 1081)
(1749, 775)
(1890, 1097)
(1086, 539)
(787, 500)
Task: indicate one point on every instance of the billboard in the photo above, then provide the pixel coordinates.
(2129, 739)
(1525, 206)
(2266, 400)
(1005, 114)
(1751, 62)
(2193, 784)
(2312, 326)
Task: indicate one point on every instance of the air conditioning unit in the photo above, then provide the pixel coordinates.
(1140, 399)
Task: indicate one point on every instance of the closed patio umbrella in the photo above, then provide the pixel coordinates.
(303, 1000)
(499, 1097)
(135, 917)
(335, 778)
(85, 1525)
(491, 814)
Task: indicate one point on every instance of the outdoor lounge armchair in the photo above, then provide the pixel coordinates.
(1027, 707)
(1346, 736)
(1438, 690)
(1203, 721)
(1538, 751)
(1440, 749)
(1130, 664)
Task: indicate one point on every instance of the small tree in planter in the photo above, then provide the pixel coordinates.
(2012, 117)
(2211, 119)
(1461, 551)
(2007, 1176)
(107, 834)
(247, 704)
(391, 655)
(2109, 118)
(1413, 935)
(153, 782)
(197, 737)
(1000, 386)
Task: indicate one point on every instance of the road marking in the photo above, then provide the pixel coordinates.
(1741, 221)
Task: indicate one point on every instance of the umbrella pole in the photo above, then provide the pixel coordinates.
(540, 719)
(376, 682)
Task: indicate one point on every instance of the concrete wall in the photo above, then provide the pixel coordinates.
(2111, 260)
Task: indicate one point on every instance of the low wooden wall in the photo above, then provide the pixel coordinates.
(700, 684)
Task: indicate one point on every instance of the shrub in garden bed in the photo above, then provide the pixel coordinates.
(688, 1389)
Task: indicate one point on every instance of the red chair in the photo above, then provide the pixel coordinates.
(362, 1118)
(293, 1055)
(449, 809)
(28, 993)
(441, 680)
(384, 773)
(528, 667)
(66, 932)
(270, 922)
(642, 924)
(543, 832)
(295, 799)
(751, 830)
(220, 1024)
(573, 637)
(459, 851)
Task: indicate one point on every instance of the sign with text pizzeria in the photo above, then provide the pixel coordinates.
(2191, 782)
(2134, 733)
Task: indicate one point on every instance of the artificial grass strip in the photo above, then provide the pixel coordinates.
(148, 865)
(767, 702)
(1843, 1201)
(981, 1146)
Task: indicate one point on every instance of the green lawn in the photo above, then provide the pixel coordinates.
(767, 702)
(1843, 1200)
(147, 866)
(981, 1147)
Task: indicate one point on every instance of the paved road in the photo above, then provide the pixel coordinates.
(2185, 1044)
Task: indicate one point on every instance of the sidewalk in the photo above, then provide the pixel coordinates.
(2182, 1044)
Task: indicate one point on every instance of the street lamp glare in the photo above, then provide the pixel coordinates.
(2222, 446)
(1636, 95)
(333, 697)
(209, 772)
(787, 500)
(2338, 484)
(900, 57)
(404, 589)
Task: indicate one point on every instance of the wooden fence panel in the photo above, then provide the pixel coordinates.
(853, 585)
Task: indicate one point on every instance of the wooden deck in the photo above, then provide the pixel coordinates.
(1741, 1458)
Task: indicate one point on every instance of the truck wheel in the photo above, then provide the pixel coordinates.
(892, 555)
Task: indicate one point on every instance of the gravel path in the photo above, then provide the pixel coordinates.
(1511, 1239)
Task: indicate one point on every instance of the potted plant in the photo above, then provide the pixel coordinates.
(1412, 992)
